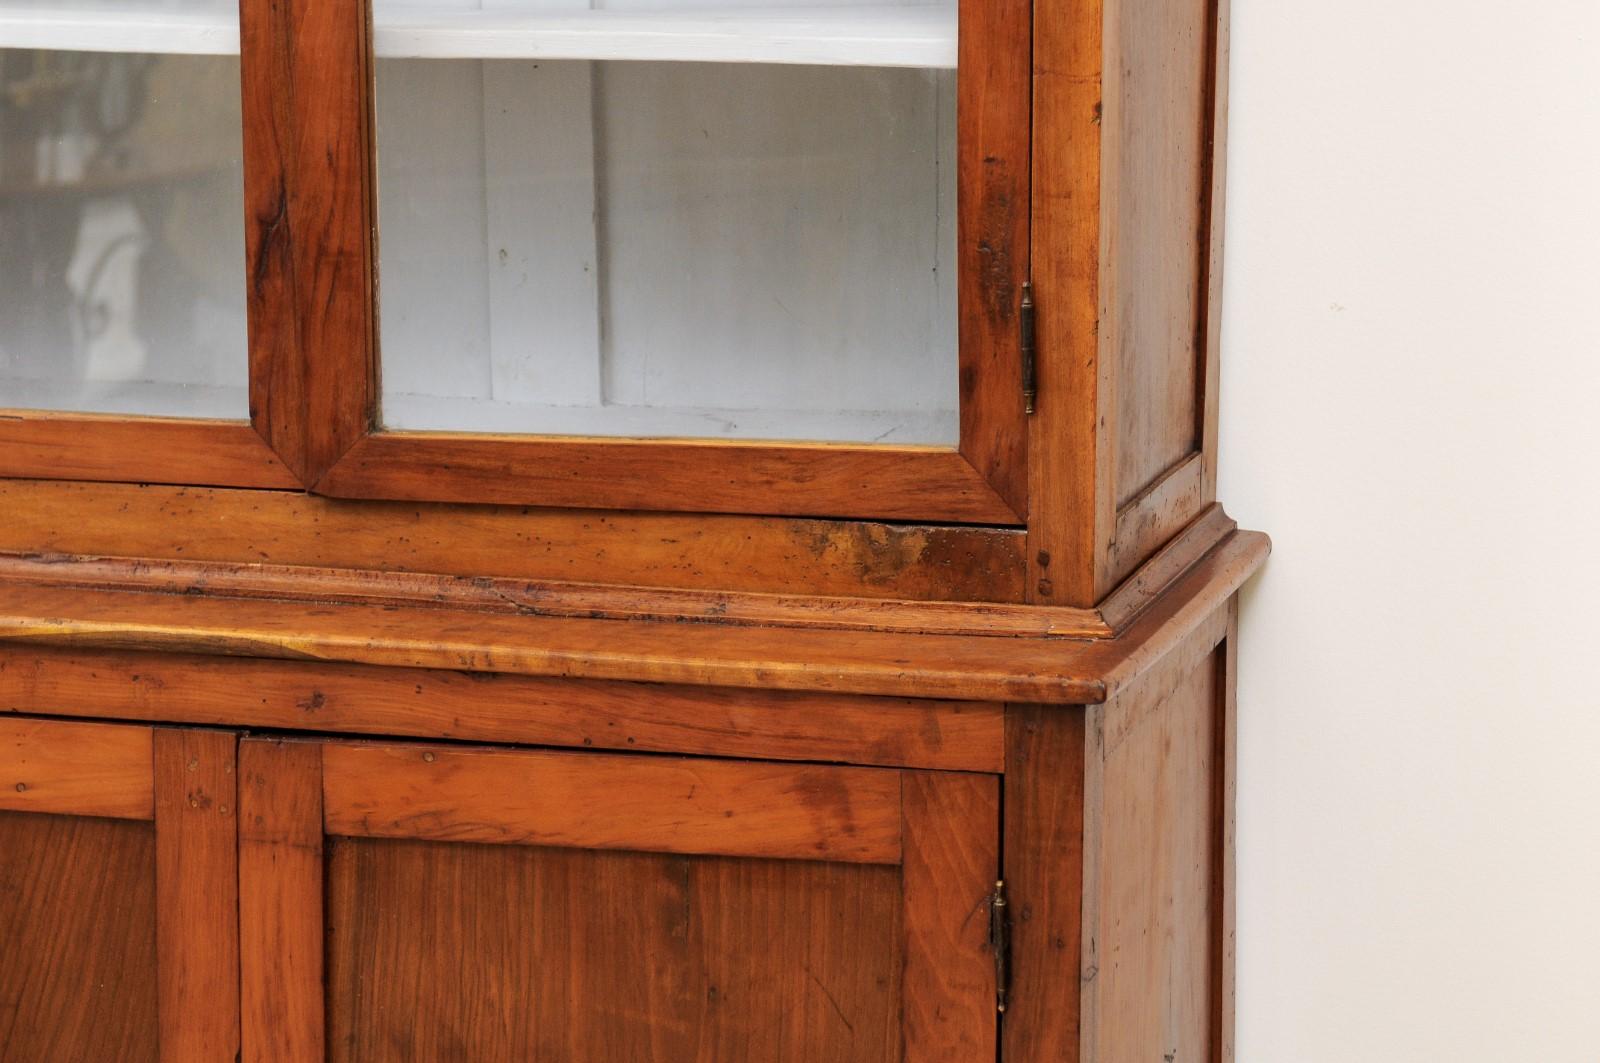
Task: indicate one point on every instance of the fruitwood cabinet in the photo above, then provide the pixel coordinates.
(617, 530)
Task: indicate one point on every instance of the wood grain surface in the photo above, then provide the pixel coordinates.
(598, 801)
(76, 769)
(510, 954)
(280, 901)
(309, 227)
(701, 476)
(158, 450)
(763, 554)
(78, 936)
(1061, 671)
(952, 861)
(995, 132)
(197, 892)
(491, 707)
(1044, 874)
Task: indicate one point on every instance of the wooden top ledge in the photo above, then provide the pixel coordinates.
(50, 605)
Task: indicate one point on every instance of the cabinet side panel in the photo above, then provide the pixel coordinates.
(1153, 954)
(1158, 200)
(77, 939)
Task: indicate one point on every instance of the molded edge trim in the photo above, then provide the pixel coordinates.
(957, 667)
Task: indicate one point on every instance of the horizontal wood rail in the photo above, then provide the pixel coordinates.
(705, 476)
(503, 709)
(159, 450)
(771, 555)
(76, 769)
(667, 805)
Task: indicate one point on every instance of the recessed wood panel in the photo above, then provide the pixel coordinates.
(1154, 857)
(495, 954)
(77, 940)
(1160, 199)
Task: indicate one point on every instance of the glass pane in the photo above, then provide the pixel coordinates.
(657, 219)
(122, 257)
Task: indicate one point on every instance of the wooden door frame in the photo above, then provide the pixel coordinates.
(310, 192)
(184, 782)
(310, 230)
(941, 828)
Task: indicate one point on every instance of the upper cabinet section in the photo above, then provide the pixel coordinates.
(122, 263)
(664, 220)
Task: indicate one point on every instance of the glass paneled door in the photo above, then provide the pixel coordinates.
(122, 261)
(652, 219)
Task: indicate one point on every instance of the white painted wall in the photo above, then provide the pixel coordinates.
(1412, 409)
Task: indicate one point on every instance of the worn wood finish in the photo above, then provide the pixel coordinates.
(76, 769)
(709, 807)
(526, 598)
(310, 225)
(952, 861)
(1158, 130)
(1169, 564)
(984, 483)
(280, 901)
(361, 699)
(78, 966)
(759, 554)
(1125, 230)
(994, 118)
(1118, 853)
(1153, 840)
(824, 981)
(1155, 516)
(1188, 627)
(1062, 671)
(507, 953)
(74, 446)
(197, 893)
(1044, 875)
(1069, 518)
(797, 480)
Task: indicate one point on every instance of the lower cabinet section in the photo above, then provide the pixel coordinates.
(171, 895)
(409, 902)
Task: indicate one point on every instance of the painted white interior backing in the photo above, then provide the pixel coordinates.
(737, 250)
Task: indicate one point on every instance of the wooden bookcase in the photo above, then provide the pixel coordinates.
(716, 556)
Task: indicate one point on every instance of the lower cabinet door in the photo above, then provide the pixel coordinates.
(441, 903)
(118, 901)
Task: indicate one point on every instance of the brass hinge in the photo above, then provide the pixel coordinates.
(1000, 942)
(1028, 324)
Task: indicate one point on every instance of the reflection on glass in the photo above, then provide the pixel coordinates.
(732, 249)
(121, 231)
